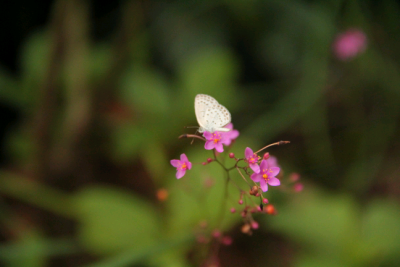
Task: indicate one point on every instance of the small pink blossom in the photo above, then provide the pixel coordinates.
(266, 176)
(214, 140)
(252, 159)
(229, 136)
(181, 165)
(349, 44)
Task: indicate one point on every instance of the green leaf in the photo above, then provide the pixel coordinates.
(112, 220)
(381, 228)
(324, 223)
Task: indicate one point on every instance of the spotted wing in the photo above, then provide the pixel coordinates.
(210, 115)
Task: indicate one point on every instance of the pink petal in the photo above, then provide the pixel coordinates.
(264, 186)
(264, 164)
(209, 145)
(180, 174)
(272, 161)
(189, 165)
(255, 167)
(234, 134)
(274, 181)
(248, 153)
(175, 162)
(207, 135)
(184, 158)
(229, 126)
(274, 171)
(219, 147)
(256, 177)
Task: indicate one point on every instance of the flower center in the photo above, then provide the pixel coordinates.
(183, 166)
(265, 176)
(252, 160)
(216, 138)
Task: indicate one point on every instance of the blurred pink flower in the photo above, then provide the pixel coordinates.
(272, 161)
(181, 165)
(214, 140)
(349, 44)
(266, 176)
(229, 136)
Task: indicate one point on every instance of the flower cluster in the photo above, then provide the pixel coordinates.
(258, 172)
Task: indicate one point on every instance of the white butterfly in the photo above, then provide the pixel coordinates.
(210, 115)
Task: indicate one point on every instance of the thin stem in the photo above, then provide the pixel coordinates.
(273, 144)
(216, 160)
(242, 175)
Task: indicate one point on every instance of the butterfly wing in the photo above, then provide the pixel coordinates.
(210, 115)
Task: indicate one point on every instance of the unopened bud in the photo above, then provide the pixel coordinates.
(294, 177)
(246, 228)
(216, 234)
(298, 187)
(227, 240)
(254, 225)
(209, 160)
(270, 209)
(266, 156)
(253, 191)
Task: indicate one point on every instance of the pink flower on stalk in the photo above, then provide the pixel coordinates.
(252, 159)
(349, 44)
(181, 166)
(214, 140)
(266, 176)
(229, 136)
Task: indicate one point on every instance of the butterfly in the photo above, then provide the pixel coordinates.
(210, 115)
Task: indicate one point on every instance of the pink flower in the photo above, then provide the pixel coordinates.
(214, 140)
(229, 136)
(266, 176)
(252, 159)
(349, 44)
(181, 166)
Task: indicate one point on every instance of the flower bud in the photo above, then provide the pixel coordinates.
(265, 201)
(298, 187)
(254, 225)
(246, 228)
(270, 209)
(209, 160)
(253, 191)
(227, 240)
(231, 155)
(294, 177)
(266, 156)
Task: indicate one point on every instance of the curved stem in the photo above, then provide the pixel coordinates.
(273, 144)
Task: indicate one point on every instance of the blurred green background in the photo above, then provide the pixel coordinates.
(93, 97)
